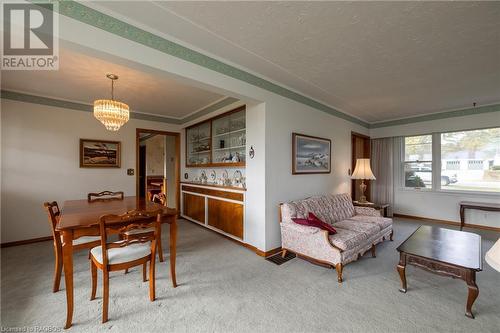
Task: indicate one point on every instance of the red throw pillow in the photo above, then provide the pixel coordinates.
(313, 221)
(322, 225)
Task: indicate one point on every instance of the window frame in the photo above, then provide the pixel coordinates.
(436, 167)
(403, 163)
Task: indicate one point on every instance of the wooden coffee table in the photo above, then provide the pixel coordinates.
(446, 252)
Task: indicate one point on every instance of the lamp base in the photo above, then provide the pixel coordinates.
(362, 199)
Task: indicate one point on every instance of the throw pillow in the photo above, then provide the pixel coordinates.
(321, 224)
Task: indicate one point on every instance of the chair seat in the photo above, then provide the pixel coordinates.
(138, 231)
(84, 240)
(123, 254)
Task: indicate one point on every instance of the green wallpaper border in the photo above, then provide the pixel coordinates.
(438, 116)
(115, 26)
(28, 98)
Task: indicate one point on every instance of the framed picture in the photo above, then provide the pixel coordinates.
(99, 154)
(311, 154)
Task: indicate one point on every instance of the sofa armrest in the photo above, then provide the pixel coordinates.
(367, 211)
(303, 229)
(311, 242)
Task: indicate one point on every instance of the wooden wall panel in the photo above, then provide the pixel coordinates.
(194, 206)
(226, 216)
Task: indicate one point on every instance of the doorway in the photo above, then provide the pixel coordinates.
(360, 145)
(158, 165)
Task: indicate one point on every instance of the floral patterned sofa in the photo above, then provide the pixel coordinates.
(358, 230)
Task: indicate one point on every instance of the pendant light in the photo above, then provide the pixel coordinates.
(112, 114)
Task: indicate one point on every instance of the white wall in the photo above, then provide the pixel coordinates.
(436, 204)
(282, 118)
(40, 162)
(170, 170)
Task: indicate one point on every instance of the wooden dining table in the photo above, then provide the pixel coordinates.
(81, 218)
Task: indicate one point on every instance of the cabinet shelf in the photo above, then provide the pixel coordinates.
(235, 120)
(230, 148)
(229, 133)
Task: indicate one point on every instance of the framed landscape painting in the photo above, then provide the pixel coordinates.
(99, 154)
(310, 154)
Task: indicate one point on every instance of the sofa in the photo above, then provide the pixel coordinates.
(359, 229)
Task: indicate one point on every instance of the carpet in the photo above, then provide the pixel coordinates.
(223, 287)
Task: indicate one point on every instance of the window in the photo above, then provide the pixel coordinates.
(470, 160)
(418, 161)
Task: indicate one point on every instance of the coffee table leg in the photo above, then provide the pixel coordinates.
(401, 270)
(473, 292)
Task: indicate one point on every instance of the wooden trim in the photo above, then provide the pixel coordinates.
(177, 160)
(118, 154)
(238, 196)
(457, 224)
(248, 246)
(242, 189)
(26, 241)
(294, 150)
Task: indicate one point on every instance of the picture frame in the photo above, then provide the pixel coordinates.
(100, 153)
(311, 155)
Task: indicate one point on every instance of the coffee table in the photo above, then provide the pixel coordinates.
(445, 252)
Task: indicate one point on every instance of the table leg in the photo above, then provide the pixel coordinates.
(67, 253)
(173, 250)
(462, 217)
(401, 270)
(473, 292)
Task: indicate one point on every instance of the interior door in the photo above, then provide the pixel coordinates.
(360, 149)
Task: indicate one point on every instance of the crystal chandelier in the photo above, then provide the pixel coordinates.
(111, 113)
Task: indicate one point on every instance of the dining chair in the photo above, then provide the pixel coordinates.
(133, 251)
(84, 242)
(160, 198)
(105, 195)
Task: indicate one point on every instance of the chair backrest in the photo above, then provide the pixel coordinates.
(160, 198)
(105, 195)
(136, 219)
(53, 213)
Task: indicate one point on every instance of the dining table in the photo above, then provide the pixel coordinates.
(81, 218)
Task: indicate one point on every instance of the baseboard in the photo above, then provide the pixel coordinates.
(453, 223)
(26, 241)
(248, 246)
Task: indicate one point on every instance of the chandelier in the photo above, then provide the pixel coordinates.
(111, 113)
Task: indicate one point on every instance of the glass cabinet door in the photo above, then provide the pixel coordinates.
(198, 147)
(229, 138)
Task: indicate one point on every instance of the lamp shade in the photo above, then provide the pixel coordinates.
(492, 257)
(363, 169)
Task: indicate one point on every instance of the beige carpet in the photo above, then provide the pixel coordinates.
(224, 287)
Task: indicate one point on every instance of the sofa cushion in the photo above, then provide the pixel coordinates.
(382, 222)
(330, 208)
(369, 229)
(346, 239)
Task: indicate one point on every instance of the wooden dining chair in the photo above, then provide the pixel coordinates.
(135, 250)
(105, 195)
(160, 198)
(84, 242)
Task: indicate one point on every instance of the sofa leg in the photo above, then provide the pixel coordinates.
(392, 234)
(373, 251)
(283, 253)
(338, 268)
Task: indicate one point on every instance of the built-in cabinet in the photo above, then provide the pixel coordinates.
(218, 208)
(219, 141)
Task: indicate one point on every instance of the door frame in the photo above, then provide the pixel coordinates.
(353, 162)
(177, 136)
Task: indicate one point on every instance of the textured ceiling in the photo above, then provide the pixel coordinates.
(82, 78)
(374, 60)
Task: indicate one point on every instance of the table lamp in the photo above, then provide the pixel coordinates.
(492, 257)
(362, 171)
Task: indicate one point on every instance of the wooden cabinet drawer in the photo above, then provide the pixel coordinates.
(226, 216)
(194, 206)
